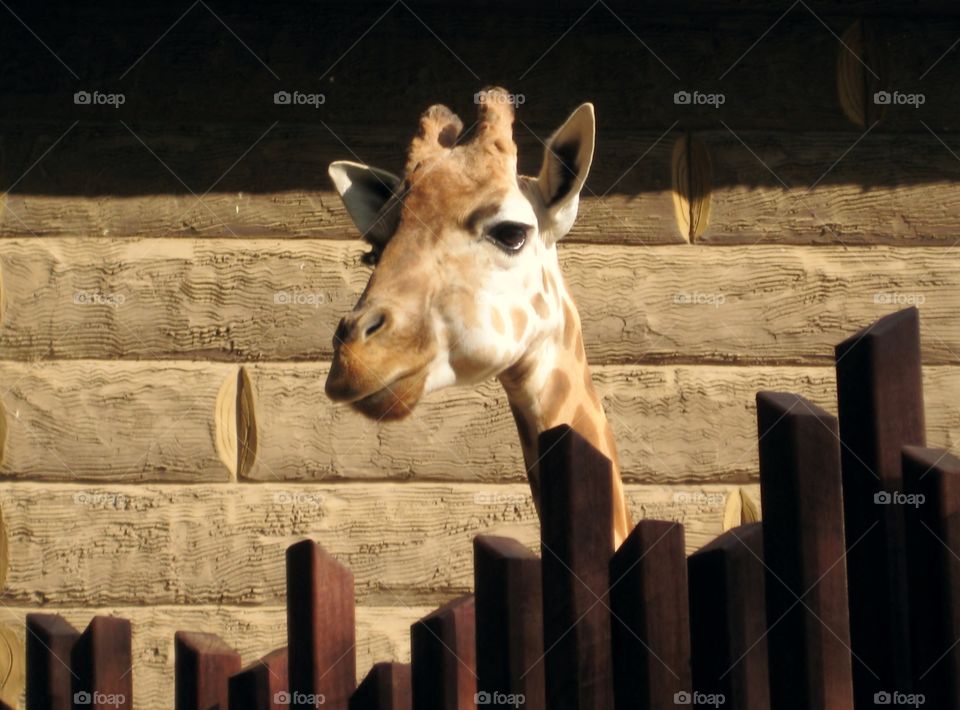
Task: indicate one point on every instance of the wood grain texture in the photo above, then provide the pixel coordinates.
(749, 186)
(281, 188)
(270, 299)
(672, 424)
(382, 634)
(223, 544)
(84, 420)
(166, 421)
(831, 188)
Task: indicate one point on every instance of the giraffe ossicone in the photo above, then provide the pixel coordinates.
(466, 282)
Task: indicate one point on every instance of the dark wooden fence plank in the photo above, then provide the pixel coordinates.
(933, 537)
(386, 687)
(49, 643)
(507, 584)
(728, 622)
(803, 549)
(443, 657)
(576, 491)
(203, 665)
(321, 634)
(880, 398)
(102, 662)
(262, 685)
(650, 622)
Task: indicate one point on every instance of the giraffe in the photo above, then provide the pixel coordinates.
(466, 282)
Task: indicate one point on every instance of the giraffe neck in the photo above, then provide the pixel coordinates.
(551, 385)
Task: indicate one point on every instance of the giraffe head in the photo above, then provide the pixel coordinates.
(466, 279)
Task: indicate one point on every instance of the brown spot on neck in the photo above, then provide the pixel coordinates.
(519, 317)
(540, 306)
(585, 426)
(497, 321)
(554, 396)
(570, 328)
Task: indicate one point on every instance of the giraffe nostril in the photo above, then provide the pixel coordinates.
(377, 322)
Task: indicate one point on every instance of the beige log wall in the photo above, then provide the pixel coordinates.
(163, 429)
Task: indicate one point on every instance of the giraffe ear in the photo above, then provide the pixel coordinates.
(566, 162)
(368, 194)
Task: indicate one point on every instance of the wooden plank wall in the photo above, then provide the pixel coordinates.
(163, 429)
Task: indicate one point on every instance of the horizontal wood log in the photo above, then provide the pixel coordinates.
(629, 198)
(728, 621)
(125, 421)
(203, 665)
(932, 478)
(650, 617)
(268, 299)
(321, 635)
(509, 606)
(49, 643)
(750, 181)
(443, 657)
(880, 403)
(383, 632)
(785, 189)
(803, 551)
(67, 419)
(102, 664)
(263, 685)
(385, 687)
(225, 544)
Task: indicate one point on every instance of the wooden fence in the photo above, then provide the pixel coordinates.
(846, 596)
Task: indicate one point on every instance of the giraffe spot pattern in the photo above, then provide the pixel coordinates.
(569, 326)
(540, 306)
(519, 317)
(496, 320)
(555, 395)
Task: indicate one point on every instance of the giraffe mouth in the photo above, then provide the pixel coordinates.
(393, 401)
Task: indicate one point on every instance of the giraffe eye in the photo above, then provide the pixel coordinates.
(510, 236)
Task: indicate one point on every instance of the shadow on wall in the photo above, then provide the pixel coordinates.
(260, 99)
